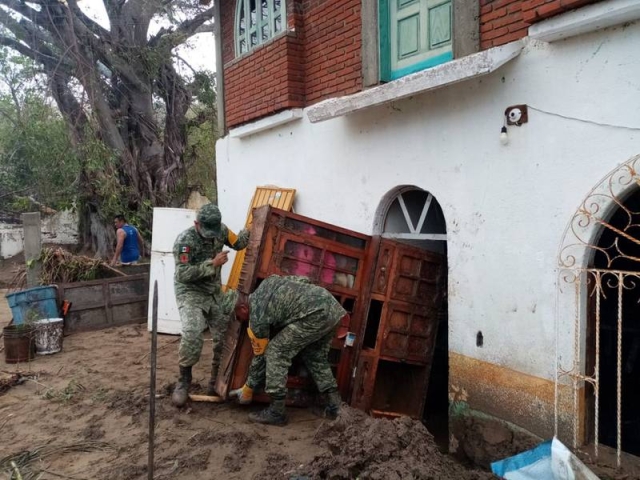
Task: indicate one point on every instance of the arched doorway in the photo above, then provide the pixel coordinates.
(411, 215)
(613, 322)
(598, 310)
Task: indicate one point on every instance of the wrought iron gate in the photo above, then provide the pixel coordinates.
(605, 229)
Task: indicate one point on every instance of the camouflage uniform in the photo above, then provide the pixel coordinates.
(300, 318)
(199, 296)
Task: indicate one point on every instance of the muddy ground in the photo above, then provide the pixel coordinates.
(83, 414)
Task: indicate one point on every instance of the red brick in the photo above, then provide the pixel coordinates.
(531, 4)
(499, 13)
(508, 20)
(529, 16)
(486, 9)
(495, 33)
(519, 27)
(548, 10)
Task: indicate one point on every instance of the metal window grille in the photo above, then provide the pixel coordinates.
(257, 21)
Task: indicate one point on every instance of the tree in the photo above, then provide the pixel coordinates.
(37, 160)
(108, 83)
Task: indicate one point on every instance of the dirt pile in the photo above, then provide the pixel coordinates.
(367, 448)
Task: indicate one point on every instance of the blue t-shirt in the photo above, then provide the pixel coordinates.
(130, 251)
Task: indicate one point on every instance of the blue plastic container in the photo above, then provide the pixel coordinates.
(33, 304)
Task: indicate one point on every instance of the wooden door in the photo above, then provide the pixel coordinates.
(398, 338)
(284, 243)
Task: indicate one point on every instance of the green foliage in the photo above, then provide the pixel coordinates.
(200, 151)
(36, 155)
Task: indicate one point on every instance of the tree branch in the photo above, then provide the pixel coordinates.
(48, 59)
(31, 14)
(93, 26)
(188, 28)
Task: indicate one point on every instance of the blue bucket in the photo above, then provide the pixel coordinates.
(33, 304)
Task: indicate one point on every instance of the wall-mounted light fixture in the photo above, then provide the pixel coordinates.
(514, 115)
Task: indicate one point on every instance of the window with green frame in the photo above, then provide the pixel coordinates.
(257, 21)
(414, 35)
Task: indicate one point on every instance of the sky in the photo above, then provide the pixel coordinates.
(198, 52)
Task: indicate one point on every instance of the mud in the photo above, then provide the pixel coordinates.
(482, 441)
(96, 389)
(380, 449)
(93, 432)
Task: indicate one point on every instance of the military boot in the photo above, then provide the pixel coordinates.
(274, 415)
(330, 405)
(181, 392)
(211, 388)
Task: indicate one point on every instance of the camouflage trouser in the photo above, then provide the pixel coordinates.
(195, 319)
(310, 338)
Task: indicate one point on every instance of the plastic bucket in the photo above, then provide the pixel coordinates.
(48, 335)
(33, 303)
(19, 344)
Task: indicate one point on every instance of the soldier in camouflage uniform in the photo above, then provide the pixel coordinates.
(201, 303)
(300, 318)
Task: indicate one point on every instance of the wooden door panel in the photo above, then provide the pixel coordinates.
(363, 386)
(406, 281)
(383, 267)
(409, 332)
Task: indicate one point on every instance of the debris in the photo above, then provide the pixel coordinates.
(61, 266)
(550, 460)
(172, 342)
(21, 465)
(13, 380)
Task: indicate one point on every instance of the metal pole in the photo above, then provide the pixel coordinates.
(152, 383)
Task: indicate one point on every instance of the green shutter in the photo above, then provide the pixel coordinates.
(414, 35)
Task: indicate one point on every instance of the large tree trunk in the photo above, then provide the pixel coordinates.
(120, 70)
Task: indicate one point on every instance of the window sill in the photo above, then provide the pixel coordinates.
(586, 19)
(459, 70)
(266, 123)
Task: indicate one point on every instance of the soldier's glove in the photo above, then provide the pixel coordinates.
(259, 345)
(243, 395)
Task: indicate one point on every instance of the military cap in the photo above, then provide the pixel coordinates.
(210, 220)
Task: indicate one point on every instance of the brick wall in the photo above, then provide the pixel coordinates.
(333, 64)
(504, 21)
(267, 81)
(318, 58)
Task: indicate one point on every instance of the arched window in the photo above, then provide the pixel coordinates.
(257, 21)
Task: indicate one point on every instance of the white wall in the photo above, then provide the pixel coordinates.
(11, 240)
(506, 206)
(60, 228)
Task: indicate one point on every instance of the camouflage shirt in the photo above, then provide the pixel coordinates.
(280, 301)
(196, 280)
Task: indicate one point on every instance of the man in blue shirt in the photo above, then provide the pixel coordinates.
(129, 242)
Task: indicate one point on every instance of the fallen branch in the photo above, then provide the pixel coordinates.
(16, 471)
(24, 459)
(60, 475)
(206, 398)
(114, 270)
(172, 342)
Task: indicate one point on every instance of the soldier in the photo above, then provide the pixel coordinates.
(305, 317)
(199, 258)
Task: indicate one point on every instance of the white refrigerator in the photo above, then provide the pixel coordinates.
(168, 223)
